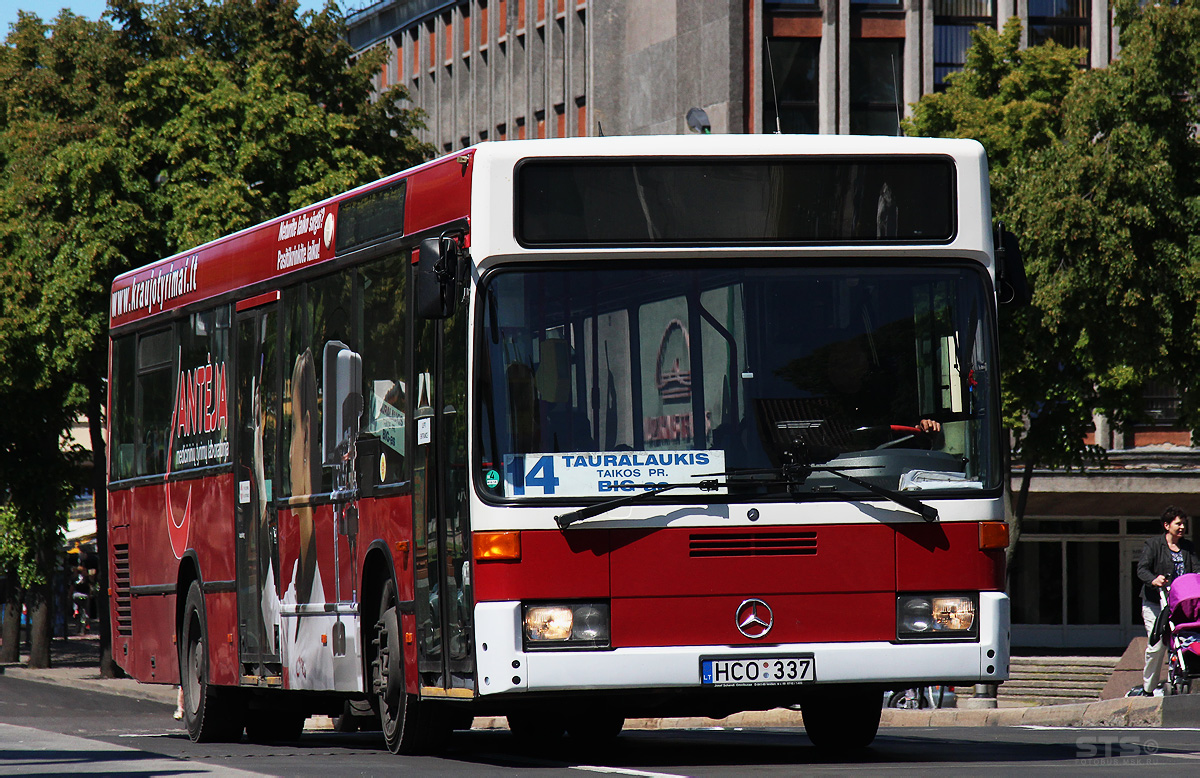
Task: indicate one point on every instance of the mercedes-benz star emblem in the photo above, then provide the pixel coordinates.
(754, 618)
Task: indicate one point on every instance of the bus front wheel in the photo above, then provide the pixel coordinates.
(399, 711)
(842, 718)
(211, 714)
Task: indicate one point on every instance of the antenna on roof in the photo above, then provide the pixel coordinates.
(774, 94)
(896, 86)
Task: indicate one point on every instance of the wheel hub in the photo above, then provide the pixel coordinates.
(388, 670)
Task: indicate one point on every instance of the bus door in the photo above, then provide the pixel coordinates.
(256, 527)
(441, 532)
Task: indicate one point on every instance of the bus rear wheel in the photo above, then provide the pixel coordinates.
(841, 718)
(212, 715)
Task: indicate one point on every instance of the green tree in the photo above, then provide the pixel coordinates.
(127, 141)
(1109, 215)
(59, 206)
(1008, 98)
(1098, 176)
(1011, 100)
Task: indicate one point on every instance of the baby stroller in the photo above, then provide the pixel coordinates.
(1182, 633)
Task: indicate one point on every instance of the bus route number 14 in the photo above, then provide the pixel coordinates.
(540, 476)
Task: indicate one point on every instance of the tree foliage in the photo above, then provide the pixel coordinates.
(1008, 98)
(124, 140)
(1109, 215)
(1097, 171)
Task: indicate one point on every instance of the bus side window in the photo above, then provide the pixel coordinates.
(382, 290)
(124, 427)
(155, 400)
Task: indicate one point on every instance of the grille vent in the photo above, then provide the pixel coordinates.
(121, 593)
(752, 544)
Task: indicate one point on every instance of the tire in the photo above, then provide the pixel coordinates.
(211, 714)
(841, 718)
(345, 723)
(407, 728)
(272, 726)
(356, 715)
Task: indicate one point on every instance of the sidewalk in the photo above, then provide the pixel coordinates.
(75, 663)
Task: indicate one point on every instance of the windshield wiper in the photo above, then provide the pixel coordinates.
(567, 519)
(927, 512)
(793, 475)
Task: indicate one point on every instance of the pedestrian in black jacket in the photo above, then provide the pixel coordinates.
(1164, 558)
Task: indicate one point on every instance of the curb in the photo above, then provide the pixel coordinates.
(1132, 712)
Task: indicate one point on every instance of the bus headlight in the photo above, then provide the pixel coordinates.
(567, 625)
(936, 616)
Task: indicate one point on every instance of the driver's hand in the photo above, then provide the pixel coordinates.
(929, 425)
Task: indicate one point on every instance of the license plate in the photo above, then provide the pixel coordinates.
(758, 671)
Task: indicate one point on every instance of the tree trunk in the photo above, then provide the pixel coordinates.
(40, 623)
(108, 668)
(10, 635)
(1019, 512)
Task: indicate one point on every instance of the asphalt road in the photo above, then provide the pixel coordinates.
(50, 730)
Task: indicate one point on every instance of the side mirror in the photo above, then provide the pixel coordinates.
(1011, 284)
(437, 278)
(341, 399)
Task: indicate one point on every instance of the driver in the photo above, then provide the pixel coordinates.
(867, 396)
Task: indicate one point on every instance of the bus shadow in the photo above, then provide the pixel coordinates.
(683, 749)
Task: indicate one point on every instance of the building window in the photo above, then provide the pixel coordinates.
(1066, 582)
(876, 73)
(1066, 22)
(1162, 402)
(790, 84)
(953, 21)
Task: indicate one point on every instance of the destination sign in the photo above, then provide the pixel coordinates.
(609, 474)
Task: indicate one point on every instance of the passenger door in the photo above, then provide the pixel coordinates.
(257, 388)
(441, 528)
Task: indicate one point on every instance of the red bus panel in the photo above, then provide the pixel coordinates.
(752, 562)
(711, 620)
(945, 557)
(554, 565)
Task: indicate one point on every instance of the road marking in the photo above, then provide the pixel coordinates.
(1115, 729)
(623, 771)
(150, 734)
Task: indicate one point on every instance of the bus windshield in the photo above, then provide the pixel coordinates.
(600, 381)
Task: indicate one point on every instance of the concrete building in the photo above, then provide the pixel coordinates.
(496, 69)
(506, 69)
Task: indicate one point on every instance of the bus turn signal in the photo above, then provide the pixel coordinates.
(993, 534)
(497, 545)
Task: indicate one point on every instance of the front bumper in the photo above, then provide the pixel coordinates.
(504, 667)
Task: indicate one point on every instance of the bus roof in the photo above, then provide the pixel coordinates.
(258, 258)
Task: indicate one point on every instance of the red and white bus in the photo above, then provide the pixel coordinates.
(571, 431)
